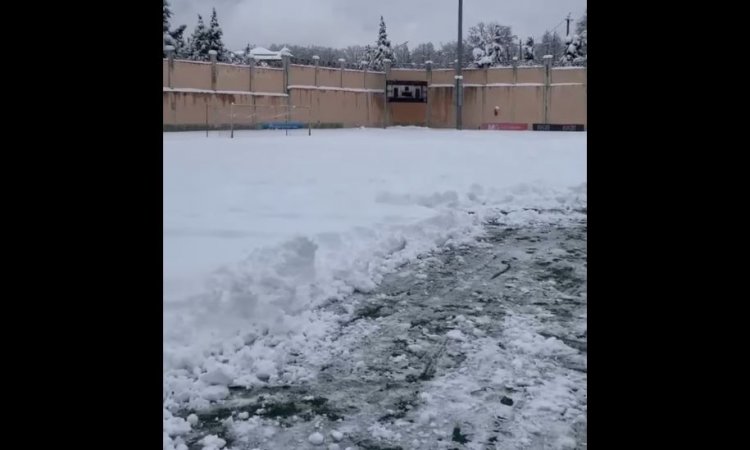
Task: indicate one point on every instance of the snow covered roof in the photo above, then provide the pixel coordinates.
(263, 54)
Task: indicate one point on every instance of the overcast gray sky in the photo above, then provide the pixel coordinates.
(339, 23)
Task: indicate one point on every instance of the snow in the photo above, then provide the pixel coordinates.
(221, 374)
(208, 91)
(316, 438)
(456, 334)
(213, 393)
(331, 88)
(175, 426)
(477, 85)
(190, 61)
(260, 230)
(383, 433)
(213, 442)
(337, 435)
(256, 51)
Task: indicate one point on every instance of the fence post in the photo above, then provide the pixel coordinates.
(285, 62)
(316, 58)
(231, 120)
(342, 61)
(387, 63)
(251, 70)
(315, 93)
(428, 66)
(212, 55)
(364, 64)
(547, 68)
(170, 64)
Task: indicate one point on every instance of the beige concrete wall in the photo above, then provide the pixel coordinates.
(568, 75)
(474, 76)
(232, 77)
(301, 75)
(408, 75)
(502, 97)
(528, 104)
(329, 77)
(354, 79)
(350, 109)
(567, 104)
(189, 74)
(190, 108)
(443, 76)
(531, 75)
(503, 75)
(268, 80)
(408, 114)
(165, 73)
(442, 113)
(376, 80)
(472, 110)
(519, 103)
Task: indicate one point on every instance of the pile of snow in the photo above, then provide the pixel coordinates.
(261, 230)
(316, 439)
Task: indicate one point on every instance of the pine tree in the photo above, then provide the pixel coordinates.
(369, 54)
(213, 37)
(198, 45)
(166, 14)
(174, 37)
(178, 42)
(382, 49)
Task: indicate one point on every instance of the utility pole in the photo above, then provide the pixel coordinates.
(459, 78)
(567, 25)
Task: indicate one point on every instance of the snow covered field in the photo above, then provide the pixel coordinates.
(269, 240)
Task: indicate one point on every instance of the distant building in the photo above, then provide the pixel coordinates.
(263, 54)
